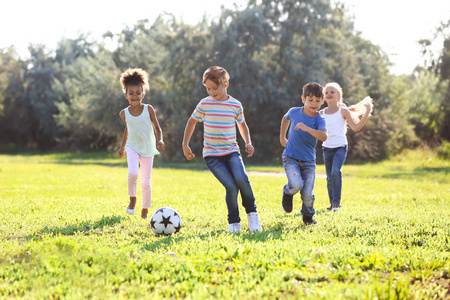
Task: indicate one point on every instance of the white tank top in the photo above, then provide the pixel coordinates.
(336, 129)
(141, 137)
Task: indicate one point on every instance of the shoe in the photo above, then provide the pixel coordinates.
(131, 205)
(253, 222)
(331, 208)
(234, 228)
(309, 220)
(335, 207)
(144, 213)
(287, 202)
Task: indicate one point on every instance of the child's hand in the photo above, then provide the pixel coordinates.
(188, 153)
(283, 141)
(301, 126)
(249, 150)
(160, 145)
(120, 152)
(369, 106)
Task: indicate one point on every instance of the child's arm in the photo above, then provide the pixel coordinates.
(190, 126)
(245, 133)
(121, 151)
(356, 126)
(284, 127)
(321, 135)
(158, 131)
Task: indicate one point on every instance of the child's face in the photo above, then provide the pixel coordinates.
(331, 95)
(217, 92)
(312, 104)
(134, 94)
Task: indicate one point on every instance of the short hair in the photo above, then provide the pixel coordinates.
(134, 77)
(313, 89)
(216, 74)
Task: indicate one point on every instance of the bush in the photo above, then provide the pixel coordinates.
(444, 150)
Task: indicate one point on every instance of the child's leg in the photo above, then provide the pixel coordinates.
(146, 173)
(236, 166)
(308, 171)
(219, 168)
(133, 171)
(295, 181)
(338, 161)
(328, 154)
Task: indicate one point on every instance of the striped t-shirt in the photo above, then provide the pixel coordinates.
(219, 132)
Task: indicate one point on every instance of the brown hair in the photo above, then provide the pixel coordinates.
(216, 74)
(313, 89)
(137, 77)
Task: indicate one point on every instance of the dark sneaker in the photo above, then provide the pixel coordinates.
(287, 202)
(309, 220)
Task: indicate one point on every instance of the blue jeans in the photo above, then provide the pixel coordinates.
(230, 171)
(334, 159)
(301, 176)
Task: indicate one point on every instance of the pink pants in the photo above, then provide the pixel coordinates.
(133, 160)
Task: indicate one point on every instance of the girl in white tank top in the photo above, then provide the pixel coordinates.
(142, 137)
(338, 116)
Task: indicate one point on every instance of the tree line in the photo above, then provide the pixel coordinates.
(69, 98)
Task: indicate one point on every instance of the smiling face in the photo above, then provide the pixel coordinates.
(312, 105)
(134, 94)
(216, 91)
(332, 95)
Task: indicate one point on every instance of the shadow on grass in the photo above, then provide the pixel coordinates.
(86, 226)
(274, 231)
(424, 172)
(168, 240)
(445, 170)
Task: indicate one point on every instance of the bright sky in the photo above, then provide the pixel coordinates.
(395, 25)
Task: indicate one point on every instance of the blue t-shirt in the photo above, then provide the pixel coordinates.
(301, 145)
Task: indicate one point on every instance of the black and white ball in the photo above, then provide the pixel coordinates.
(165, 220)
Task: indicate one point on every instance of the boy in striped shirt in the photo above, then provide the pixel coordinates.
(219, 113)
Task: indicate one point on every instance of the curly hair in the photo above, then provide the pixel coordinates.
(216, 74)
(313, 89)
(134, 76)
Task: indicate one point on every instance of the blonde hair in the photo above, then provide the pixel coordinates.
(356, 110)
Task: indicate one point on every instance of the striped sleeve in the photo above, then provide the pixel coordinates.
(240, 114)
(199, 112)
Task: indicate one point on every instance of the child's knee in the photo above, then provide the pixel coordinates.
(308, 200)
(336, 173)
(133, 176)
(296, 186)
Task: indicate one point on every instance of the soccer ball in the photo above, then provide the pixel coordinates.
(165, 220)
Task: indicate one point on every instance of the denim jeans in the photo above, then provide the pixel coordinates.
(230, 171)
(301, 176)
(334, 159)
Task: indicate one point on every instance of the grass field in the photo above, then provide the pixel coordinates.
(64, 234)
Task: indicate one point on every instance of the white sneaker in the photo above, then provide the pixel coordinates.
(253, 222)
(130, 211)
(234, 228)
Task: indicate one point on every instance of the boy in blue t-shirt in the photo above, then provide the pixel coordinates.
(299, 157)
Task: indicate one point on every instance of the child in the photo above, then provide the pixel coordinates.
(139, 137)
(220, 112)
(337, 116)
(299, 157)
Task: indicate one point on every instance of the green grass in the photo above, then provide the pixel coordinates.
(64, 233)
